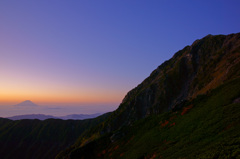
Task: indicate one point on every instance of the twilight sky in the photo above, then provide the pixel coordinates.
(94, 52)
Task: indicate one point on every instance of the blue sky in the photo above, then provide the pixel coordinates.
(96, 51)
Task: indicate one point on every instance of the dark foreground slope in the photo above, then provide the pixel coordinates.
(206, 127)
(35, 139)
(202, 79)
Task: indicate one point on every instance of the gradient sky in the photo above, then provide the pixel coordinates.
(71, 52)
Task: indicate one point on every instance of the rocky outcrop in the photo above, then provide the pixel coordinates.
(192, 71)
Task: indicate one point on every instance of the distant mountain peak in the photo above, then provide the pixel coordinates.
(26, 103)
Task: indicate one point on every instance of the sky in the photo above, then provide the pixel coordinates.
(86, 52)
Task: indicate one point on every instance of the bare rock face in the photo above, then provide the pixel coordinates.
(192, 71)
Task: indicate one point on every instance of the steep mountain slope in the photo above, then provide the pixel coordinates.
(206, 127)
(35, 139)
(195, 71)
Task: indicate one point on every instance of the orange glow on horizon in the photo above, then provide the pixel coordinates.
(17, 86)
(17, 99)
(60, 98)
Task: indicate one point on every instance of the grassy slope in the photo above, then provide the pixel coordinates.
(40, 139)
(206, 127)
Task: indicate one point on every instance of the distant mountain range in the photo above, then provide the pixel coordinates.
(44, 117)
(80, 116)
(29, 103)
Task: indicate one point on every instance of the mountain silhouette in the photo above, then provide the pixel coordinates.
(32, 116)
(44, 117)
(26, 103)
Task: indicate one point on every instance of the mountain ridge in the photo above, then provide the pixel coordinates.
(184, 76)
(192, 72)
(44, 117)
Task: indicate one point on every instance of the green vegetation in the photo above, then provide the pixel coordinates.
(206, 127)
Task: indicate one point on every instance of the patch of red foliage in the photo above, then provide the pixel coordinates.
(229, 126)
(130, 139)
(115, 148)
(99, 155)
(173, 117)
(185, 109)
(121, 154)
(163, 124)
(166, 142)
(104, 151)
(153, 156)
(172, 124)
